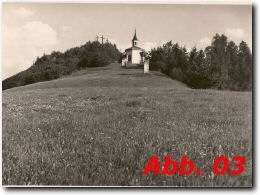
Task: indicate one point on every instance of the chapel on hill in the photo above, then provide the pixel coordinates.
(135, 55)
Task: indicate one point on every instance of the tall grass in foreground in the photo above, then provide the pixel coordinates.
(98, 135)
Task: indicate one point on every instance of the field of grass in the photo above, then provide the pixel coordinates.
(101, 126)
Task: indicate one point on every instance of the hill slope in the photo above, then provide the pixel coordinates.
(58, 64)
(101, 126)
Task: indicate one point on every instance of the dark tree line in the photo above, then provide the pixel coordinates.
(53, 66)
(222, 65)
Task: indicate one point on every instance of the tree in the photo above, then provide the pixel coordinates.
(197, 73)
(217, 54)
(171, 59)
(222, 65)
(245, 66)
(232, 63)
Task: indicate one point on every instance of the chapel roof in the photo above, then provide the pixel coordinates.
(134, 48)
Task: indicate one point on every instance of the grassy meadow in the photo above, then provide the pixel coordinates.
(101, 126)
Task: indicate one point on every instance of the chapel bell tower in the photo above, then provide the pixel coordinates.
(134, 40)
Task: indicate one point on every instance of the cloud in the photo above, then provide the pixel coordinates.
(149, 45)
(23, 12)
(205, 41)
(22, 45)
(237, 33)
(64, 31)
(65, 28)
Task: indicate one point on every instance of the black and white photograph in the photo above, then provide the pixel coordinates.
(127, 94)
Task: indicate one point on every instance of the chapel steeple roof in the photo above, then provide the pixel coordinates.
(135, 37)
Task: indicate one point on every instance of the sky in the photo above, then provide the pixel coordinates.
(30, 30)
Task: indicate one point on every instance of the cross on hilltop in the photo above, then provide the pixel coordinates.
(102, 39)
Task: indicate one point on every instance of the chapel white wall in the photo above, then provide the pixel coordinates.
(136, 57)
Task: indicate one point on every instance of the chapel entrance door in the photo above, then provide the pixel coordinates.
(129, 58)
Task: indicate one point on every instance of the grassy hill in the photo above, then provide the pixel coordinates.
(58, 64)
(101, 126)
